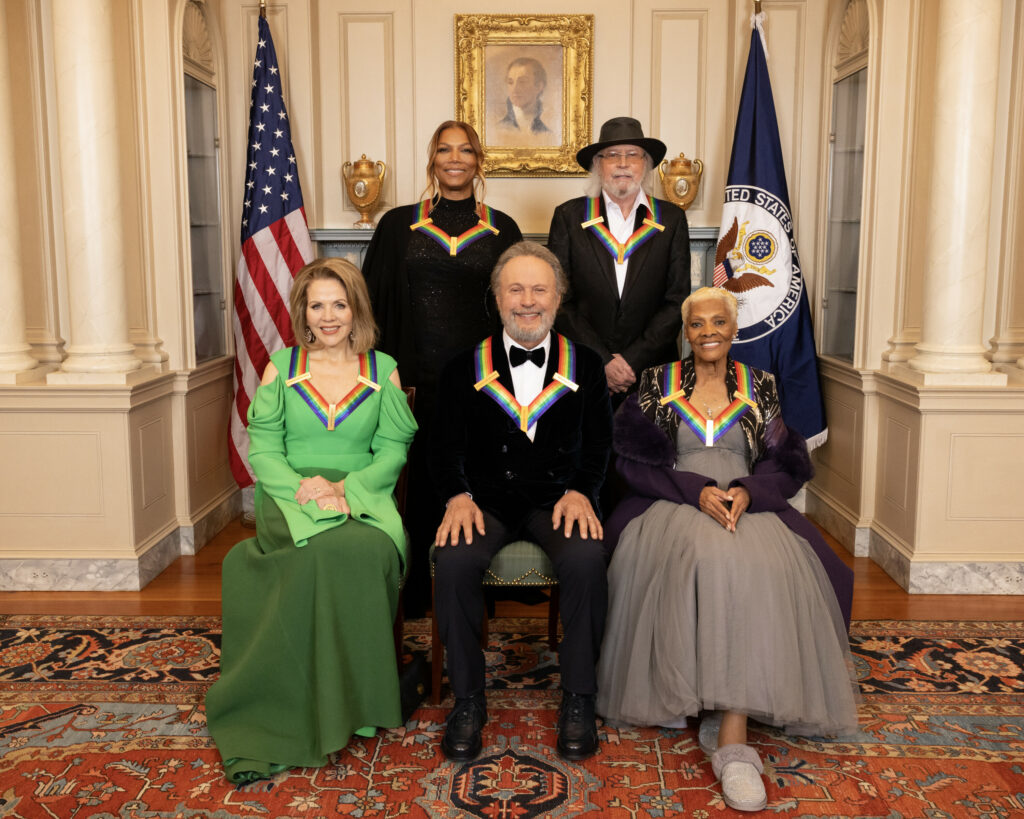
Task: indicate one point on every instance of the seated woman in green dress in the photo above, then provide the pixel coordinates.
(307, 656)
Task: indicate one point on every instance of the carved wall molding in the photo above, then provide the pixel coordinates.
(852, 53)
(196, 45)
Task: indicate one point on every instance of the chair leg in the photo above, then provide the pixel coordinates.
(553, 619)
(436, 652)
(485, 631)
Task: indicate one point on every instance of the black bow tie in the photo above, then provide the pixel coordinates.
(517, 356)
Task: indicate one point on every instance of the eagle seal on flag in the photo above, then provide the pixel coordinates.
(757, 262)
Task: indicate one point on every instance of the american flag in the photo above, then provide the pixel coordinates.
(275, 244)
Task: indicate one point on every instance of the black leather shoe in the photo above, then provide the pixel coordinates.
(577, 727)
(461, 741)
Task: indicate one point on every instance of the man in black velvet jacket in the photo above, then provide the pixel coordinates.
(519, 448)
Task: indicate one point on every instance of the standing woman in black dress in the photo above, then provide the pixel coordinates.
(428, 270)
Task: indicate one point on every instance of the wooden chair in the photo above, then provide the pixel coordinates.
(401, 492)
(520, 563)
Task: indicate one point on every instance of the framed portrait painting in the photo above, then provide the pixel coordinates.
(525, 83)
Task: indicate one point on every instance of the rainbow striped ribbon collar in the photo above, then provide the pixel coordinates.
(331, 415)
(561, 383)
(708, 430)
(622, 251)
(424, 224)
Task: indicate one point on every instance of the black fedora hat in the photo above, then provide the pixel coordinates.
(622, 131)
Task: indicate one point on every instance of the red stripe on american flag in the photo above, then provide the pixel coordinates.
(239, 469)
(286, 244)
(260, 275)
(255, 349)
(719, 277)
(238, 437)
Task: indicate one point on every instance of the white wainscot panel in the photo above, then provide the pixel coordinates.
(36, 461)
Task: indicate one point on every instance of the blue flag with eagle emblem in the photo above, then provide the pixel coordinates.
(757, 259)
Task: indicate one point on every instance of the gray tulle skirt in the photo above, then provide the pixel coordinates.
(701, 618)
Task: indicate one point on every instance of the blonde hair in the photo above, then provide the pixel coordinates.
(707, 294)
(479, 184)
(364, 328)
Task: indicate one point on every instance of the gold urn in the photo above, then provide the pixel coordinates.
(364, 179)
(681, 180)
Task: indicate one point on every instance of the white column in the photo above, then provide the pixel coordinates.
(951, 350)
(15, 358)
(90, 177)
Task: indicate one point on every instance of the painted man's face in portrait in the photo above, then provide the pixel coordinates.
(523, 86)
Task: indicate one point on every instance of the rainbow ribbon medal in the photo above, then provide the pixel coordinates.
(453, 244)
(648, 228)
(708, 430)
(331, 415)
(562, 383)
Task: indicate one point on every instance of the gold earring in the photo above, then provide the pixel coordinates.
(310, 338)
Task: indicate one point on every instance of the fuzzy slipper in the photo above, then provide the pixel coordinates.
(707, 734)
(739, 767)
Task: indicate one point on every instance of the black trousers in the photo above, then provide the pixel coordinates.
(583, 591)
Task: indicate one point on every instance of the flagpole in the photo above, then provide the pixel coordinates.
(263, 8)
(757, 6)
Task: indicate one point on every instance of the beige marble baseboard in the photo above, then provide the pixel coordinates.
(947, 577)
(117, 574)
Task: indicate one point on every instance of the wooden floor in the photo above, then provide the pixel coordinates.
(191, 585)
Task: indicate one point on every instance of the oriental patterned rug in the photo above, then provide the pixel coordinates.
(103, 717)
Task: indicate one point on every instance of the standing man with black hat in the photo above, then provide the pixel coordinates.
(627, 256)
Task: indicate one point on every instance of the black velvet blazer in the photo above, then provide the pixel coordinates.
(476, 447)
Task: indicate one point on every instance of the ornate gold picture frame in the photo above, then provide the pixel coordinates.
(526, 83)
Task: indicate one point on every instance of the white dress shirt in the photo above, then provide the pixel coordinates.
(528, 378)
(620, 225)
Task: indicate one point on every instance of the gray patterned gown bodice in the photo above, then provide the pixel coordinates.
(726, 460)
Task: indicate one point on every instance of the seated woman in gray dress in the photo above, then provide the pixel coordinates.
(720, 597)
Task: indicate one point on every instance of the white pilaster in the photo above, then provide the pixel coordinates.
(951, 350)
(84, 67)
(16, 363)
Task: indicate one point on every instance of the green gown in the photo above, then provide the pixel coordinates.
(308, 604)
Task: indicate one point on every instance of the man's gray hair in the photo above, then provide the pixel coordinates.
(594, 184)
(537, 251)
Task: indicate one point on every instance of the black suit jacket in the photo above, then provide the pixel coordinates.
(477, 448)
(643, 325)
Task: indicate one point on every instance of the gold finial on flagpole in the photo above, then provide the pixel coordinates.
(263, 8)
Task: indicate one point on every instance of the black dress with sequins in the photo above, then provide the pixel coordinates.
(429, 305)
